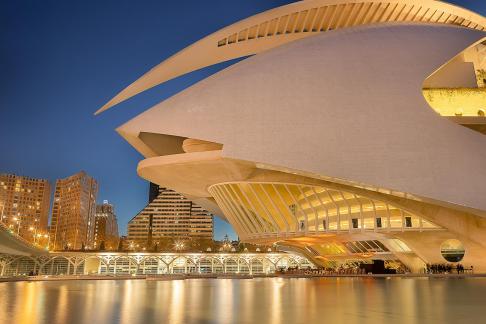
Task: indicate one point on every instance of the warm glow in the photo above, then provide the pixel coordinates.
(466, 102)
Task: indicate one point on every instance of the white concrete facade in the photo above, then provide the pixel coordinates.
(341, 111)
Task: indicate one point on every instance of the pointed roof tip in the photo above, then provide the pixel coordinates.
(99, 111)
(106, 106)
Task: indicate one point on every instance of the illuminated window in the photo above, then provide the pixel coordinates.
(378, 222)
(408, 221)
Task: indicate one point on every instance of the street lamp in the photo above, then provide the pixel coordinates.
(3, 216)
(178, 245)
(18, 225)
(48, 237)
(37, 237)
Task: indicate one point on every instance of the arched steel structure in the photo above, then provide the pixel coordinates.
(77, 263)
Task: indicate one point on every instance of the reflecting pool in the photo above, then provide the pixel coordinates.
(261, 300)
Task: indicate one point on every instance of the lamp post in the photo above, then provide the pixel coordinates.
(3, 216)
(48, 237)
(179, 245)
(32, 229)
(18, 225)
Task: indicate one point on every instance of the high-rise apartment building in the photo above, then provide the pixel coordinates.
(105, 227)
(169, 215)
(73, 212)
(24, 206)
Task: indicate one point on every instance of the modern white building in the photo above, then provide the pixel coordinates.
(351, 122)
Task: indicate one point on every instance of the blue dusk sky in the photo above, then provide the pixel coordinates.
(62, 60)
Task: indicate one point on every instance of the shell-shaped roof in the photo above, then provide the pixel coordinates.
(287, 23)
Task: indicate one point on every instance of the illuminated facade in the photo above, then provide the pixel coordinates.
(24, 206)
(353, 122)
(169, 215)
(73, 213)
(105, 227)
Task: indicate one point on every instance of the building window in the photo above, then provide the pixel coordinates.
(408, 221)
(378, 222)
(302, 225)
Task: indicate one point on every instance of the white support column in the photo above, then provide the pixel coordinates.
(270, 217)
(297, 205)
(248, 220)
(326, 218)
(239, 218)
(288, 209)
(313, 210)
(338, 212)
(276, 209)
(266, 229)
(388, 216)
(349, 211)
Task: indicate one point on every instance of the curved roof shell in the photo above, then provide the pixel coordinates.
(288, 23)
(345, 105)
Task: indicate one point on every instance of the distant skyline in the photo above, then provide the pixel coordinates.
(61, 61)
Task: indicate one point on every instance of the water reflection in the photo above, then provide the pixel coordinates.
(341, 300)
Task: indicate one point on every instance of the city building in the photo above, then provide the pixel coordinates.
(354, 131)
(24, 206)
(105, 227)
(73, 213)
(169, 215)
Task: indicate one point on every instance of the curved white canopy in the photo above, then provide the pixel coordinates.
(287, 23)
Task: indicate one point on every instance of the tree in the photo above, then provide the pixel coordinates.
(102, 246)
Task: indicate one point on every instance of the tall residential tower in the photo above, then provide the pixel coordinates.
(24, 205)
(72, 224)
(105, 227)
(169, 215)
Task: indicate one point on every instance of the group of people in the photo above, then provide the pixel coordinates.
(439, 268)
(324, 271)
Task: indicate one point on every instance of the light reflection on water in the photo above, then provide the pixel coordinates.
(273, 300)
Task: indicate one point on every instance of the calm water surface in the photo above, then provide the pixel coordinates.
(272, 300)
